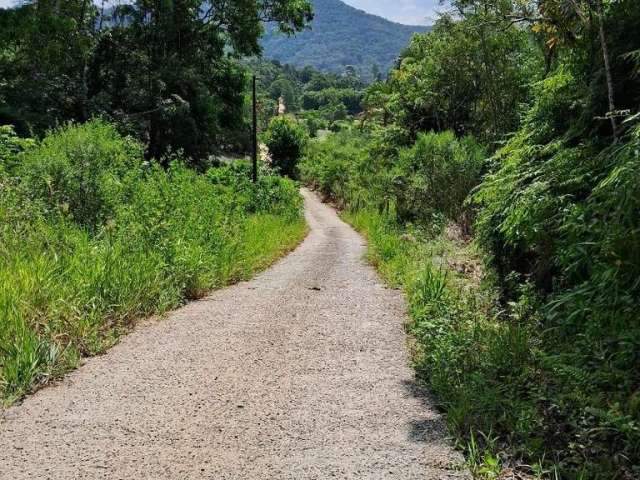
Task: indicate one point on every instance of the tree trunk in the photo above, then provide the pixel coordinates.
(101, 16)
(84, 88)
(607, 71)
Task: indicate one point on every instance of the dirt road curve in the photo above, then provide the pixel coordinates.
(299, 374)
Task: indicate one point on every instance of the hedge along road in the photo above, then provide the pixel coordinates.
(300, 373)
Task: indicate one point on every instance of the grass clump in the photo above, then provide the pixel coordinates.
(92, 237)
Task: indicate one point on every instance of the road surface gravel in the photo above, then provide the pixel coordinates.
(301, 373)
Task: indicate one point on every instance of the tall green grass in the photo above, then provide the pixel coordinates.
(92, 238)
(475, 364)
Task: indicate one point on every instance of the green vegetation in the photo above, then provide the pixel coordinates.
(436, 84)
(341, 37)
(165, 72)
(92, 238)
(319, 100)
(495, 172)
(425, 182)
(519, 251)
(286, 141)
(105, 221)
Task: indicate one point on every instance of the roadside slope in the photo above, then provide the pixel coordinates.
(299, 373)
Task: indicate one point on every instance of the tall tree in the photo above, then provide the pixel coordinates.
(571, 19)
(468, 75)
(46, 48)
(163, 69)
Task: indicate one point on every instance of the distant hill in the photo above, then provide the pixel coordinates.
(341, 35)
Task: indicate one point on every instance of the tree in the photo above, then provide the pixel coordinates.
(164, 70)
(286, 140)
(192, 88)
(45, 51)
(376, 103)
(468, 75)
(569, 20)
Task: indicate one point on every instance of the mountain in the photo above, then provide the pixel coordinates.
(341, 35)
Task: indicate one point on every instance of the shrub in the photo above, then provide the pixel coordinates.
(330, 166)
(272, 194)
(559, 212)
(82, 171)
(375, 170)
(286, 140)
(537, 176)
(436, 175)
(10, 146)
(73, 278)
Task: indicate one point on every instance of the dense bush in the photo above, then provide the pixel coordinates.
(539, 174)
(431, 178)
(286, 141)
(561, 213)
(330, 165)
(85, 173)
(76, 273)
(272, 194)
(10, 146)
(436, 175)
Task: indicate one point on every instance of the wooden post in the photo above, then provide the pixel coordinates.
(255, 133)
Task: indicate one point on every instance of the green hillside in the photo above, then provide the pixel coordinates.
(341, 35)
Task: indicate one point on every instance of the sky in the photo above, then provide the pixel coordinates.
(411, 12)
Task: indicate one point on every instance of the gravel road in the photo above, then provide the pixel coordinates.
(301, 373)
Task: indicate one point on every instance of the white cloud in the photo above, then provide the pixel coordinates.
(415, 12)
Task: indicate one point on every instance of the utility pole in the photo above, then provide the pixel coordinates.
(255, 133)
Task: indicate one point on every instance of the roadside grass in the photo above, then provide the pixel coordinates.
(473, 362)
(268, 238)
(62, 301)
(74, 279)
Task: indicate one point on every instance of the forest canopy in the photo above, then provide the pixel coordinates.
(165, 72)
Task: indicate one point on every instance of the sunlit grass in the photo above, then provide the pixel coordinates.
(73, 279)
(460, 350)
(58, 305)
